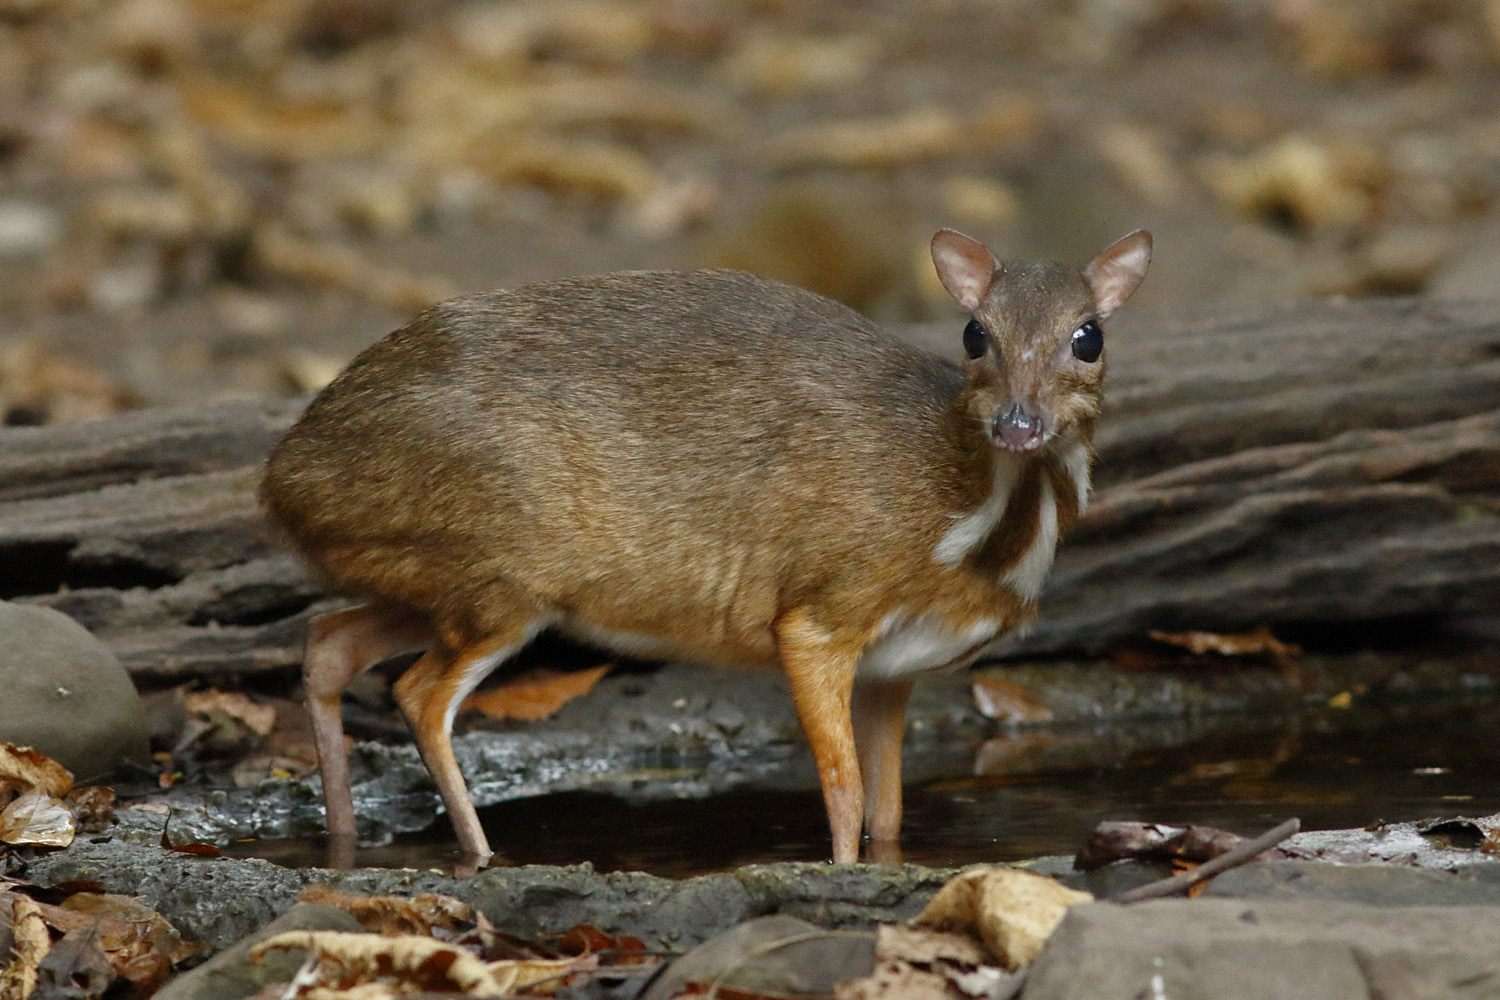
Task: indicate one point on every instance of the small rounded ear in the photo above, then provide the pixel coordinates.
(1117, 272)
(964, 266)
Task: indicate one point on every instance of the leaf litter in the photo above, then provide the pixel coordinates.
(38, 804)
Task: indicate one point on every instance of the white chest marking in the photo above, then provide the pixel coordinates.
(1075, 462)
(909, 645)
(970, 531)
(1026, 576)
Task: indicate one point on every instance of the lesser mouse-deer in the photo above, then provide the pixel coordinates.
(701, 465)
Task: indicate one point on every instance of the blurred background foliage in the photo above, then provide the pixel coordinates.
(201, 198)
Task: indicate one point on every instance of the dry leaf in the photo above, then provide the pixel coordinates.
(262, 767)
(784, 64)
(588, 167)
(919, 134)
(37, 819)
(586, 939)
(232, 704)
(1258, 642)
(29, 944)
(346, 957)
(1012, 911)
(535, 694)
(895, 981)
(1298, 182)
(93, 807)
(922, 962)
(23, 769)
(927, 946)
(139, 944)
(394, 915)
(41, 385)
(998, 698)
(280, 251)
(251, 120)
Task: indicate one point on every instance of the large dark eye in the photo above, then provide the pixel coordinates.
(975, 339)
(1088, 342)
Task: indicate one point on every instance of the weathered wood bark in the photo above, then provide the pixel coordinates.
(1305, 462)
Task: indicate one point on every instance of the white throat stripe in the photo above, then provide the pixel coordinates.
(970, 531)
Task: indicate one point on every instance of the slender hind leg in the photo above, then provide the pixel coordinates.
(879, 710)
(430, 693)
(339, 646)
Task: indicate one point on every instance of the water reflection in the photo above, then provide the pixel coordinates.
(1032, 792)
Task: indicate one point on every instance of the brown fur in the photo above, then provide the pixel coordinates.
(742, 471)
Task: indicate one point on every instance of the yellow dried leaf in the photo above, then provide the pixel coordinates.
(345, 957)
(29, 944)
(250, 121)
(607, 30)
(1298, 181)
(782, 64)
(59, 389)
(1012, 911)
(394, 915)
(279, 251)
(36, 819)
(23, 769)
(926, 133)
(609, 170)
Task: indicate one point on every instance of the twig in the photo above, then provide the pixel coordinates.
(1232, 858)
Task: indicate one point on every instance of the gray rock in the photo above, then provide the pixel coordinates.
(1208, 949)
(543, 899)
(681, 914)
(1373, 884)
(220, 900)
(231, 974)
(66, 694)
(1398, 843)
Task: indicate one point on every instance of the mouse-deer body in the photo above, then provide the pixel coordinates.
(701, 465)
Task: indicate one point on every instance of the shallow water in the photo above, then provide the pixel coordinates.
(1035, 792)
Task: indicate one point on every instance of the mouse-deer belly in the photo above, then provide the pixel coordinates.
(908, 644)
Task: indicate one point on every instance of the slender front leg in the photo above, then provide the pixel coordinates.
(430, 693)
(820, 672)
(879, 712)
(340, 645)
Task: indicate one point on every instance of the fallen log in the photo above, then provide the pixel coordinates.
(1309, 462)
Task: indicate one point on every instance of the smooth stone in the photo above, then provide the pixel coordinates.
(66, 694)
(1208, 949)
